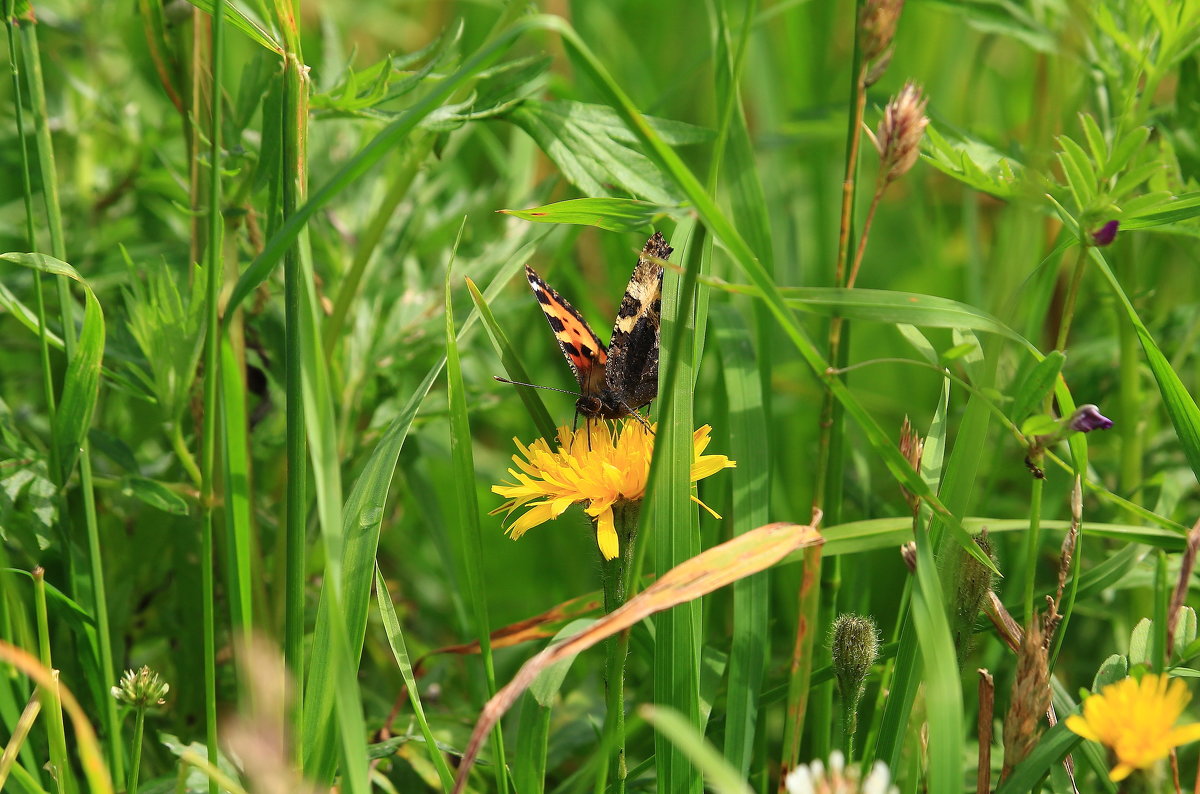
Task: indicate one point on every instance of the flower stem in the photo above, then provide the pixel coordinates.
(613, 575)
(135, 760)
(1064, 327)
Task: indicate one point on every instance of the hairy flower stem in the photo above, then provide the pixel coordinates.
(1031, 546)
(613, 574)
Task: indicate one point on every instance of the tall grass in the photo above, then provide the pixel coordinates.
(246, 241)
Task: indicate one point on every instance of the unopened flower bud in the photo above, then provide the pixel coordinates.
(911, 447)
(855, 641)
(876, 27)
(141, 688)
(1088, 418)
(1105, 234)
(898, 138)
(972, 582)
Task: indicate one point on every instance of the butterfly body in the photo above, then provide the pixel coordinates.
(617, 379)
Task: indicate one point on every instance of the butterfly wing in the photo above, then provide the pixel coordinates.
(632, 369)
(583, 349)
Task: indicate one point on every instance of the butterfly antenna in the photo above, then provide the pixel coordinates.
(535, 386)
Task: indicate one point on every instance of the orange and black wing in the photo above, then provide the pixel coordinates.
(632, 370)
(583, 349)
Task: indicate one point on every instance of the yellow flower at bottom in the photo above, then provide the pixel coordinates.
(1136, 721)
(593, 467)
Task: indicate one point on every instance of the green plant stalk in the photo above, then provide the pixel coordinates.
(212, 379)
(1064, 327)
(1032, 544)
(294, 128)
(58, 248)
(135, 761)
(827, 489)
(613, 575)
(31, 235)
(51, 701)
(1160, 654)
(1129, 392)
(186, 459)
(850, 724)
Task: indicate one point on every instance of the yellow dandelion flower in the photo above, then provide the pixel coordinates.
(594, 467)
(1136, 721)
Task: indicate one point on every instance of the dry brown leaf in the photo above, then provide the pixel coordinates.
(710, 570)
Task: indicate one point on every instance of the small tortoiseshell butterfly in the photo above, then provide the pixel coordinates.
(617, 380)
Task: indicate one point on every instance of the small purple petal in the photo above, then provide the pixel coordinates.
(1105, 234)
(1088, 418)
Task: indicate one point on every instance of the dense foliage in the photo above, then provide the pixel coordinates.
(930, 291)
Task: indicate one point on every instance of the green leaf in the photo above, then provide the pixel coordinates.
(1124, 149)
(1139, 642)
(974, 163)
(244, 20)
(888, 306)
(1035, 386)
(1081, 176)
(512, 365)
(395, 635)
(1111, 670)
(1040, 425)
(958, 351)
(81, 384)
(1095, 139)
(546, 686)
(613, 214)
(1185, 631)
(943, 695)
(1182, 208)
(1181, 407)
(154, 494)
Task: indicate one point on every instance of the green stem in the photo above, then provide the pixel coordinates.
(212, 379)
(613, 574)
(1032, 542)
(51, 702)
(295, 113)
(849, 725)
(1064, 327)
(186, 459)
(135, 761)
(58, 248)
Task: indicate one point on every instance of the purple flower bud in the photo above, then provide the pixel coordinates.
(1088, 418)
(1105, 234)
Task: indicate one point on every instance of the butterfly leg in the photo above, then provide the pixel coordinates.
(640, 418)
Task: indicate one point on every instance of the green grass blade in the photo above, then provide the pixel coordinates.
(512, 364)
(672, 529)
(750, 644)
(719, 776)
(235, 456)
(361, 521)
(395, 635)
(613, 214)
(470, 532)
(889, 306)
(1181, 407)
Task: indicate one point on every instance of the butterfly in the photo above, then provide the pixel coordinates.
(616, 380)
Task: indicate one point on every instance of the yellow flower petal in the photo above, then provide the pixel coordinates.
(1135, 721)
(595, 466)
(606, 535)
